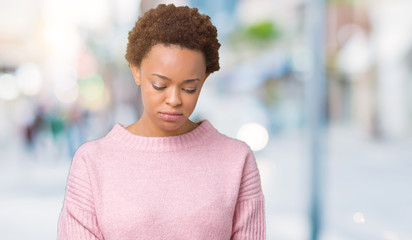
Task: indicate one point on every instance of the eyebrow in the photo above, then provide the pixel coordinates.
(166, 78)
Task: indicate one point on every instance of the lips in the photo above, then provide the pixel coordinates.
(170, 116)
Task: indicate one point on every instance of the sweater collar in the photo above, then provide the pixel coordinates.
(160, 144)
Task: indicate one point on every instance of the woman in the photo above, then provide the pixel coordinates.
(164, 176)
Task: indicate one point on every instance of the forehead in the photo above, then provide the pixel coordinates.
(174, 59)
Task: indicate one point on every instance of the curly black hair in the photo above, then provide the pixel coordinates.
(171, 25)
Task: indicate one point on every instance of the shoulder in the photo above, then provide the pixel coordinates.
(235, 143)
(94, 147)
(88, 155)
(231, 143)
(91, 147)
(230, 150)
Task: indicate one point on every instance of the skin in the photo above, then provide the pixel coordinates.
(171, 78)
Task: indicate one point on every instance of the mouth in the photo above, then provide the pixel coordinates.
(171, 113)
(171, 116)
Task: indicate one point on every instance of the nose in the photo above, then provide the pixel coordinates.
(173, 97)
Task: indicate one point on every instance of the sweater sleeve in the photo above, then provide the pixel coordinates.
(249, 216)
(78, 218)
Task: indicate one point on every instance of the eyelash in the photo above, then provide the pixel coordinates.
(158, 88)
(190, 91)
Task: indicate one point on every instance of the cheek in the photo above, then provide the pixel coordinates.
(191, 103)
(150, 98)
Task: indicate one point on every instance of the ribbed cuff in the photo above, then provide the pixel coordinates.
(75, 223)
(249, 220)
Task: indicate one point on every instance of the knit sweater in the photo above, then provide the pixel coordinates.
(198, 185)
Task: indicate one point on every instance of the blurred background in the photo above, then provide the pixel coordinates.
(329, 120)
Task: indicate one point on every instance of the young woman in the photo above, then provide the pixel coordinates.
(164, 176)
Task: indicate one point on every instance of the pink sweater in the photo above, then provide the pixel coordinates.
(199, 185)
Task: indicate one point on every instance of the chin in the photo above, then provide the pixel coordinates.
(171, 126)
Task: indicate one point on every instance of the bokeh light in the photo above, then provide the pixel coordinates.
(93, 94)
(358, 217)
(64, 77)
(255, 135)
(67, 96)
(29, 78)
(91, 88)
(9, 90)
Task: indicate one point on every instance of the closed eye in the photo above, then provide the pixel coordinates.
(157, 87)
(189, 90)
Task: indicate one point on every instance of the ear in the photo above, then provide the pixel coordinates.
(136, 73)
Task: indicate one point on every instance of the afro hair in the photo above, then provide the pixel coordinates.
(171, 25)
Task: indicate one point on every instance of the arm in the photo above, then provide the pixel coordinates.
(249, 217)
(78, 218)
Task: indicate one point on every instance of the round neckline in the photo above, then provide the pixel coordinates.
(142, 135)
(159, 144)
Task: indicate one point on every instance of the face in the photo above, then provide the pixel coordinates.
(171, 78)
